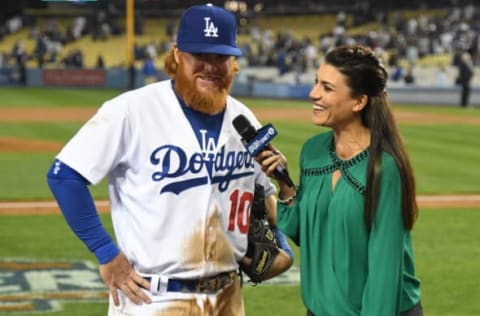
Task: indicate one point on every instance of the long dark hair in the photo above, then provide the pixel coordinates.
(367, 76)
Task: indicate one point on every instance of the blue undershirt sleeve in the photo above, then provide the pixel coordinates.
(282, 242)
(76, 203)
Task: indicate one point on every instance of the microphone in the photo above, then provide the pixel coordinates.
(256, 140)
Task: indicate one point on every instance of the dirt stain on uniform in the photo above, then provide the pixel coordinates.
(209, 245)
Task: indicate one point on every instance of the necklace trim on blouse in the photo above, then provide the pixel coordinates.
(342, 165)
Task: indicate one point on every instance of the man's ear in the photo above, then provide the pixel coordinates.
(176, 54)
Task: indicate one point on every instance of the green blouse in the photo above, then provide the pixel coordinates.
(344, 269)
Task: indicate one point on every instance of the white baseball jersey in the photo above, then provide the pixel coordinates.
(171, 215)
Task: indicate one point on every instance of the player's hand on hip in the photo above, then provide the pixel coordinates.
(118, 274)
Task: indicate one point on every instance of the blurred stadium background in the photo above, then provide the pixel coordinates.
(90, 43)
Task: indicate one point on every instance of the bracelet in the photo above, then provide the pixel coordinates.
(288, 200)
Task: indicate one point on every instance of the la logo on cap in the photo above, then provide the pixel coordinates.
(210, 29)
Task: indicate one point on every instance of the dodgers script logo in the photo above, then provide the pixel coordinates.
(210, 29)
(225, 166)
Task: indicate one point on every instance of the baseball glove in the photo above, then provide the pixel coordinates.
(262, 243)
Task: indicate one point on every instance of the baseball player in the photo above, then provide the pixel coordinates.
(180, 181)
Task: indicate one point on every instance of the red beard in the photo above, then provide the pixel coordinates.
(210, 103)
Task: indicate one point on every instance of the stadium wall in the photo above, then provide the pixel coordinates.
(118, 78)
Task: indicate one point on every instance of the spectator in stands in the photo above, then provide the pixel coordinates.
(74, 59)
(78, 28)
(22, 69)
(149, 70)
(397, 75)
(100, 62)
(14, 24)
(311, 53)
(19, 70)
(465, 75)
(282, 62)
(40, 49)
(409, 76)
(138, 52)
(442, 79)
(151, 50)
(170, 29)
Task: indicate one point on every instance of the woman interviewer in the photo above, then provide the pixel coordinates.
(355, 206)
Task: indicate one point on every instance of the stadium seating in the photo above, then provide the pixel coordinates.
(113, 49)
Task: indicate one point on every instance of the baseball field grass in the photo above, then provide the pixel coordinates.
(443, 143)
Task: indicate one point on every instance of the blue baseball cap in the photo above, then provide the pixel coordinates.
(208, 29)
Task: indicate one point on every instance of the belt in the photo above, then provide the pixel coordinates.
(208, 285)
